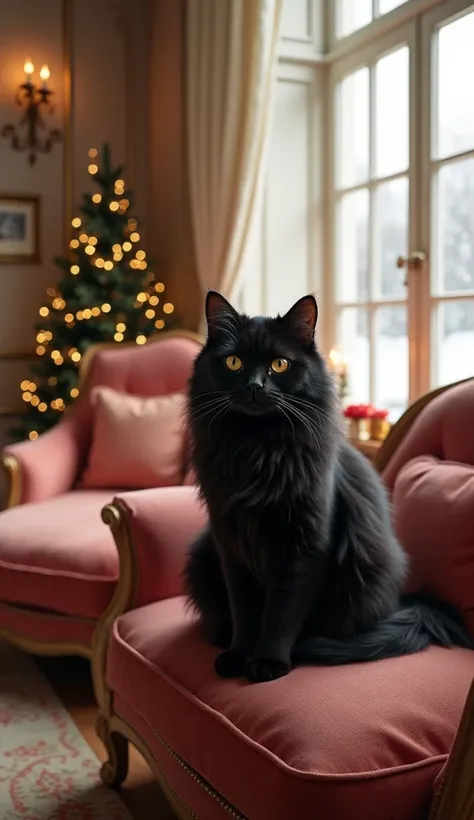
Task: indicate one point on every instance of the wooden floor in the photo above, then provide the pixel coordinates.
(70, 678)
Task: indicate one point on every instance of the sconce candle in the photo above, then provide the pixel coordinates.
(34, 100)
(45, 75)
(28, 69)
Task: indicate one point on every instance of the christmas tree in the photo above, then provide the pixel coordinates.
(106, 293)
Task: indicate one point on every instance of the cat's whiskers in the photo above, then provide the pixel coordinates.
(209, 393)
(317, 413)
(281, 410)
(201, 412)
(310, 406)
(206, 403)
(309, 423)
(221, 410)
(216, 404)
(313, 419)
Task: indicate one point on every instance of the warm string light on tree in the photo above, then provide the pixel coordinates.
(107, 292)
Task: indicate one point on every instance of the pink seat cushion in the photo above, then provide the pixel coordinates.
(434, 519)
(59, 555)
(365, 740)
(138, 441)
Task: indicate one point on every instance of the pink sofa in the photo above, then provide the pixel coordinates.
(370, 741)
(58, 562)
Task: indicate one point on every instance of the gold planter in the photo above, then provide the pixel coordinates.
(359, 429)
(379, 429)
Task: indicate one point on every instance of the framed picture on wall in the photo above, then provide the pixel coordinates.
(19, 229)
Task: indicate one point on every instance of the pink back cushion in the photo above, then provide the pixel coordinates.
(431, 477)
(434, 520)
(137, 442)
(159, 367)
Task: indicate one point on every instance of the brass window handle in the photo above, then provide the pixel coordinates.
(415, 261)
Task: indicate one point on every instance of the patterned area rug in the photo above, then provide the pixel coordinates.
(47, 770)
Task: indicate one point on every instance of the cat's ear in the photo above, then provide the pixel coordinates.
(302, 318)
(221, 317)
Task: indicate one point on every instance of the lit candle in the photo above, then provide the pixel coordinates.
(28, 69)
(45, 75)
(338, 366)
(335, 359)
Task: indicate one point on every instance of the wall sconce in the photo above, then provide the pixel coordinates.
(35, 100)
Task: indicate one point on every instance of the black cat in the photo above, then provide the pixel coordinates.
(299, 563)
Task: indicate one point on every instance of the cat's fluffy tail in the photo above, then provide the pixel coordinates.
(412, 628)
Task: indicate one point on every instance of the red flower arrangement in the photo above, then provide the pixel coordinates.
(358, 411)
(364, 411)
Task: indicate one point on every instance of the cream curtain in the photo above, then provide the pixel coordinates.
(230, 59)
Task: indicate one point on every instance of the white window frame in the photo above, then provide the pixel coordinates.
(416, 18)
(380, 25)
(366, 56)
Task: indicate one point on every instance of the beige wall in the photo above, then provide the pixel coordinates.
(104, 45)
(24, 32)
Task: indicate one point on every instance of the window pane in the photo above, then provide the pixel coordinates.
(391, 360)
(391, 237)
(392, 112)
(353, 338)
(453, 263)
(352, 248)
(352, 15)
(352, 129)
(387, 5)
(454, 340)
(455, 101)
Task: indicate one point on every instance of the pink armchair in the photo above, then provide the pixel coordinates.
(58, 562)
(381, 741)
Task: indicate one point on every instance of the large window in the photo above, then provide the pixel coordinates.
(369, 194)
(400, 279)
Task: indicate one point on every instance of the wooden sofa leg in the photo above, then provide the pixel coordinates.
(114, 771)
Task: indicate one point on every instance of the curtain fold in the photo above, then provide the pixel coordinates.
(231, 48)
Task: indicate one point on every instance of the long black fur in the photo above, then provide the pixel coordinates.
(299, 562)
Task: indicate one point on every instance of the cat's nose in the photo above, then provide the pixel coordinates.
(255, 384)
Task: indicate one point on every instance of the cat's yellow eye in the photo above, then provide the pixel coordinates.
(280, 365)
(233, 363)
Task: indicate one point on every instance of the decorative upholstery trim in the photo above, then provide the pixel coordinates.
(108, 773)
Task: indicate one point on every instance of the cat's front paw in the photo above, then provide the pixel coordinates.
(230, 664)
(266, 669)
